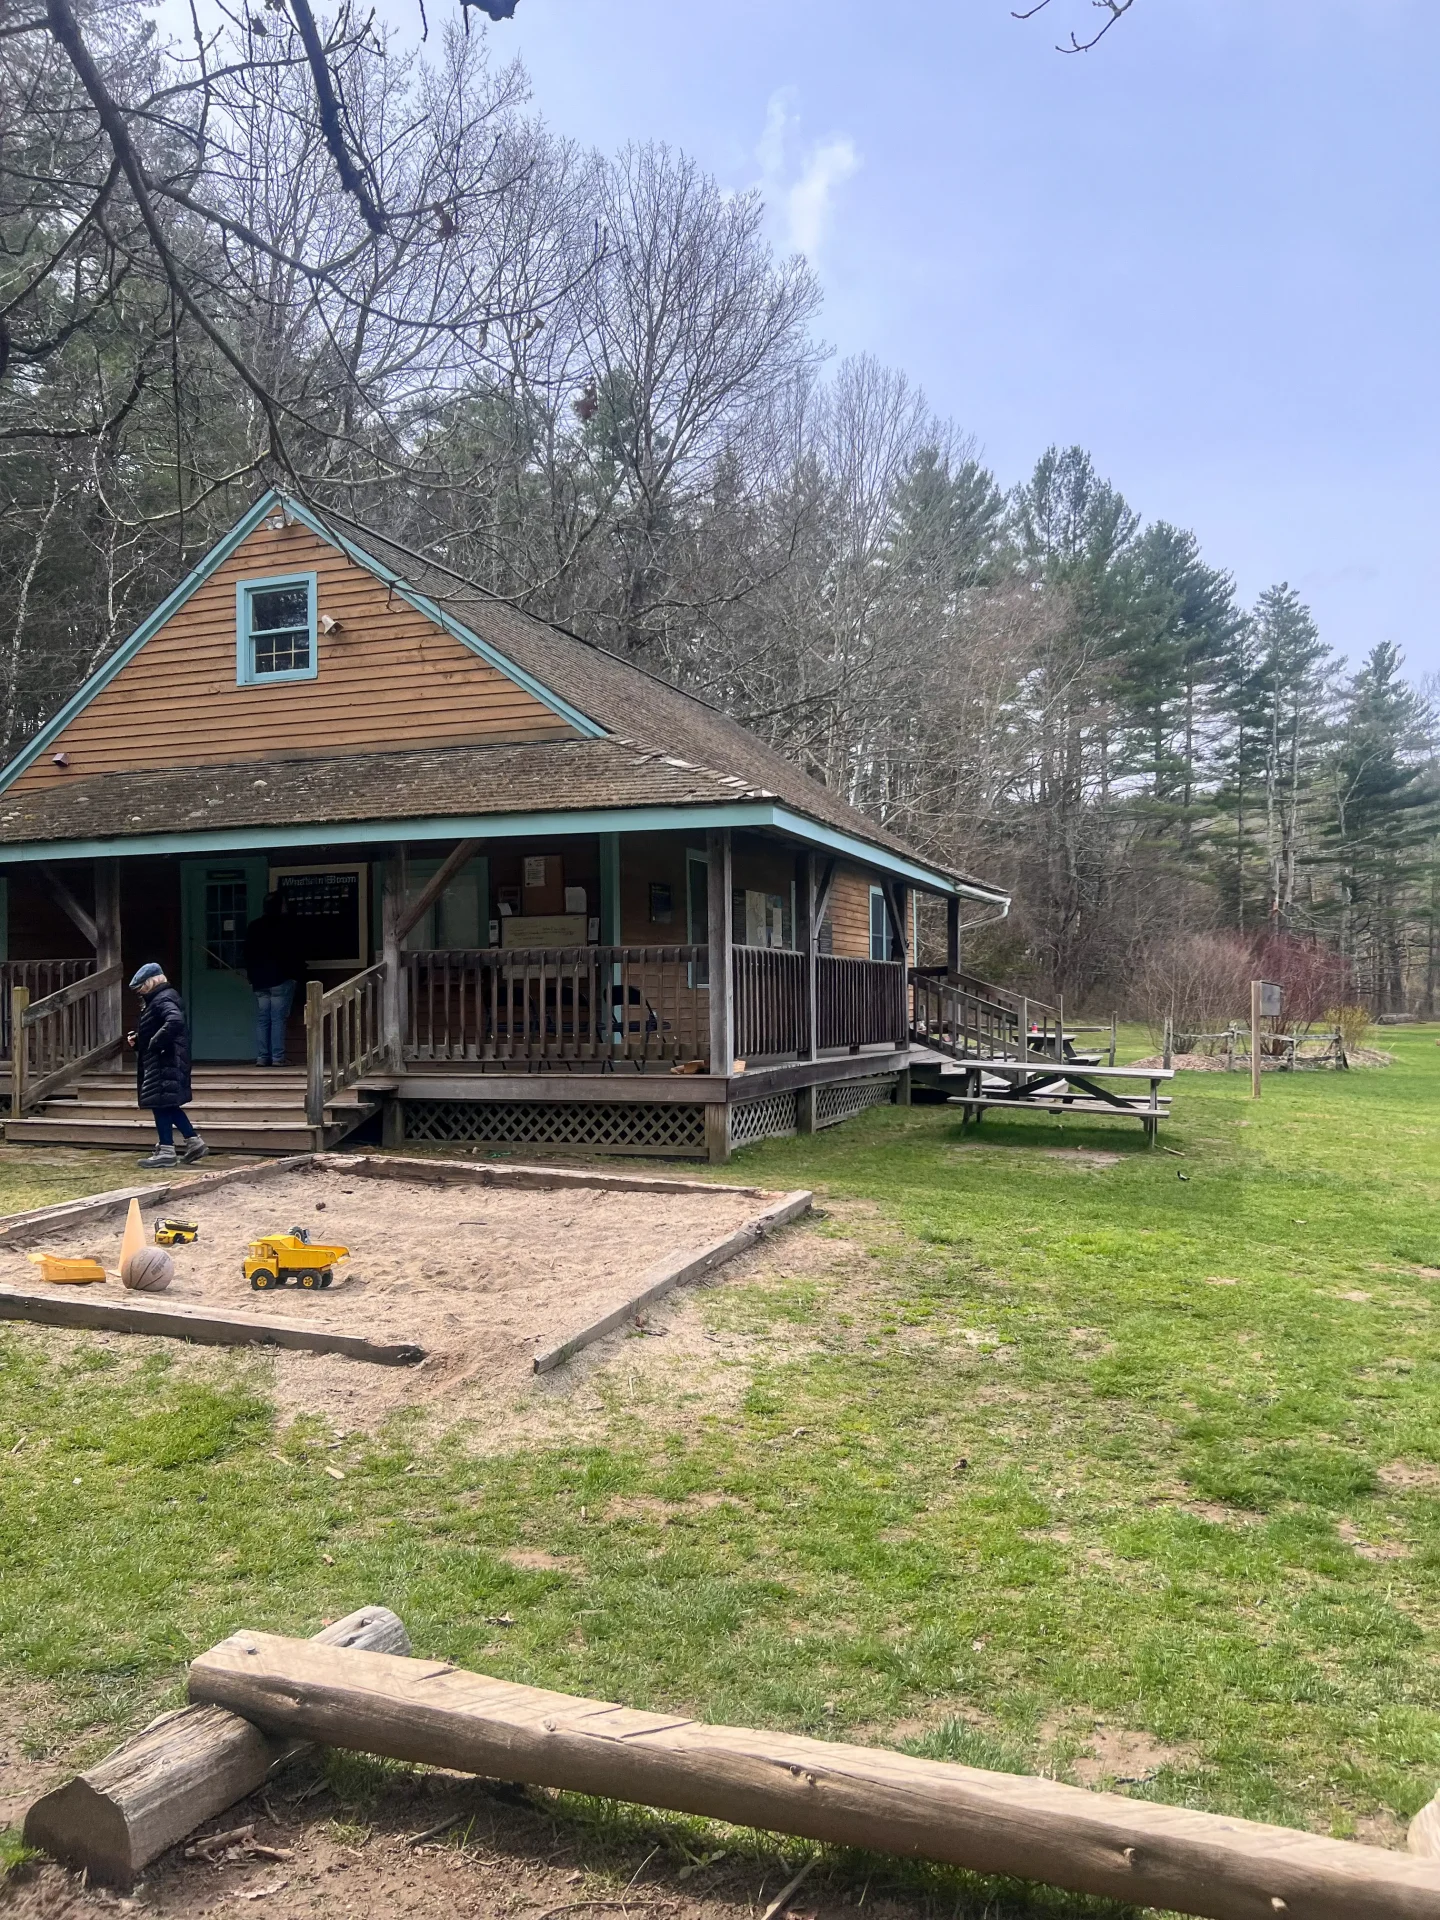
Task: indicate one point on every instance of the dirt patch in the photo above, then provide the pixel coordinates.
(1085, 1158)
(480, 1277)
(500, 1851)
(1408, 1476)
(1371, 1550)
(532, 1560)
(1126, 1758)
(1217, 1515)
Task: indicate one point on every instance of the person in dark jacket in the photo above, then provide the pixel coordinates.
(161, 1039)
(273, 965)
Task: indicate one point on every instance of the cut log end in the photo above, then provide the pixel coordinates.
(184, 1768)
(1423, 1834)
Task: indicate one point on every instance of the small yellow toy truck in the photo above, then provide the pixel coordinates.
(75, 1270)
(278, 1258)
(176, 1233)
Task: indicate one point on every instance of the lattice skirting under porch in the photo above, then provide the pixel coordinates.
(596, 1125)
(843, 1099)
(771, 1118)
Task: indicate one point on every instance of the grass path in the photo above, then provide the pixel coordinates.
(1063, 1461)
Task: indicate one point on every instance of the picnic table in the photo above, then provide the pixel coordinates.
(1041, 1086)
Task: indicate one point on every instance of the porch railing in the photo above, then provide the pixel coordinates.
(772, 1007)
(39, 978)
(555, 1004)
(58, 1037)
(861, 1002)
(344, 1037)
(960, 1014)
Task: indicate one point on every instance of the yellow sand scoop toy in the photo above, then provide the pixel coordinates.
(62, 1270)
(277, 1258)
(176, 1233)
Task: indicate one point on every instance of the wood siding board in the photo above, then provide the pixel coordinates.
(388, 670)
(848, 912)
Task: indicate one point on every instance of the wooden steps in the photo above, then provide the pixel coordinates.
(237, 1109)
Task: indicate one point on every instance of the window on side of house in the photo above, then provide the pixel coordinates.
(882, 941)
(275, 630)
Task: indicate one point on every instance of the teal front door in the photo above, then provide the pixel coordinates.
(219, 898)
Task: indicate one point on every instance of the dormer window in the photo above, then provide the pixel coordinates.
(275, 630)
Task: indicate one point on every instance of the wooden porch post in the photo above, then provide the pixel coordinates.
(720, 968)
(895, 908)
(314, 1053)
(107, 944)
(809, 944)
(610, 933)
(19, 1048)
(952, 934)
(392, 905)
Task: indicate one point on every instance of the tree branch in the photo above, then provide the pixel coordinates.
(1113, 9)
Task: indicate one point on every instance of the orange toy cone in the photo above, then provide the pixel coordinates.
(134, 1238)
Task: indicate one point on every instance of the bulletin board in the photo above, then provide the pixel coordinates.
(329, 907)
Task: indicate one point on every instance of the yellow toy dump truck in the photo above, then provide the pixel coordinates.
(277, 1258)
(69, 1270)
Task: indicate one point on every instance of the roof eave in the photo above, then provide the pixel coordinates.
(693, 816)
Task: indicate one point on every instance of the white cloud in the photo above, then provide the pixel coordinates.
(800, 183)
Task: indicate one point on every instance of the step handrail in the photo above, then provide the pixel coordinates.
(344, 1036)
(55, 1040)
(941, 1004)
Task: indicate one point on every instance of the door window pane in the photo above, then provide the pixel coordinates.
(226, 915)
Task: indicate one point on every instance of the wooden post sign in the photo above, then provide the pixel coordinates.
(1265, 1000)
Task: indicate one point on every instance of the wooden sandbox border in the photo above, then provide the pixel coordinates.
(59, 1307)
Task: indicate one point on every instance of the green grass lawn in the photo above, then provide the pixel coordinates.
(1060, 1452)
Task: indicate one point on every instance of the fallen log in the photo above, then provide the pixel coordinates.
(182, 1769)
(433, 1714)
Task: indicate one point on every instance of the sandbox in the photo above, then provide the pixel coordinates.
(451, 1265)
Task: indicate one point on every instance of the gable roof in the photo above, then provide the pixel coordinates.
(665, 746)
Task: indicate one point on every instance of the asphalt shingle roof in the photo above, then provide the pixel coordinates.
(666, 748)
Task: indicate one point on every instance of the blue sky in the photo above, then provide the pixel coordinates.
(1206, 251)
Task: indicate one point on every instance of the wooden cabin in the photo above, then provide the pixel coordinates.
(544, 898)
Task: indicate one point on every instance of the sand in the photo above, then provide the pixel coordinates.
(481, 1277)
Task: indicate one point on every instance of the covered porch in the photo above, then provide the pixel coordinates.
(673, 989)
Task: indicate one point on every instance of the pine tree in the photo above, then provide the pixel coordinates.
(1180, 617)
(1381, 811)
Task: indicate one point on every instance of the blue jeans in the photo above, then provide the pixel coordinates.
(167, 1119)
(272, 1010)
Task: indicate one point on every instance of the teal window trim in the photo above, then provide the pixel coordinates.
(245, 673)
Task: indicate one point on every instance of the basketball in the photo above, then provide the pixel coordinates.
(149, 1271)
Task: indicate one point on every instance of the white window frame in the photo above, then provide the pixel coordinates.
(245, 674)
(887, 932)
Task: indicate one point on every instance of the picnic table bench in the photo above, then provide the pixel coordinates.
(1041, 1086)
